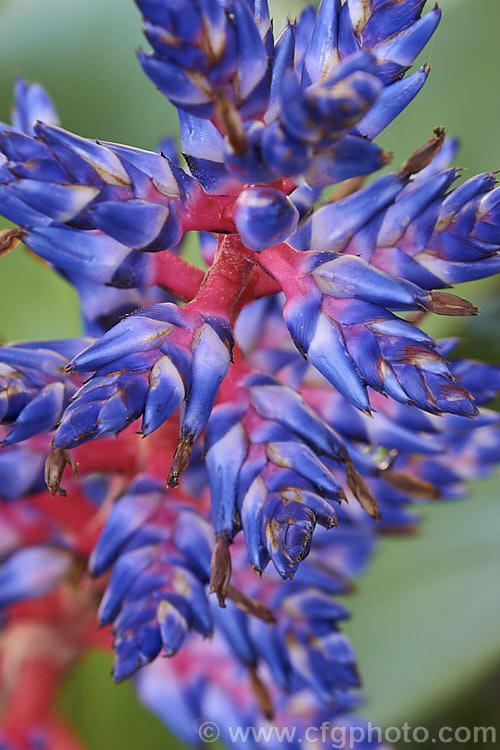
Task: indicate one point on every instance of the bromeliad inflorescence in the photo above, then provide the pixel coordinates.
(217, 422)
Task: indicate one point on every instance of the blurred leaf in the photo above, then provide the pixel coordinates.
(478, 707)
(461, 92)
(84, 54)
(106, 715)
(426, 619)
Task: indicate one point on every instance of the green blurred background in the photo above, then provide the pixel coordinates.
(426, 618)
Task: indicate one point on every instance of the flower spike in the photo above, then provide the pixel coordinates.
(283, 390)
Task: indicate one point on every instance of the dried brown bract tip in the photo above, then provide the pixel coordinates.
(360, 490)
(54, 469)
(444, 303)
(423, 156)
(342, 498)
(261, 693)
(250, 606)
(230, 123)
(77, 571)
(10, 238)
(411, 485)
(220, 570)
(385, 158)
(180, 461)
(417, 318)
(346, 188)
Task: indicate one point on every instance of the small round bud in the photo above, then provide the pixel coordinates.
(264, 217)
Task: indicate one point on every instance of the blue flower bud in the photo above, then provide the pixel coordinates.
(328, 353)
(351, 156)
(248, 164)
(252, 508)
(134, 223)
(125, 572)
(224, 460)
(273, 401)
(195, 62)
(322, 113)
(392, 100)
(301, 459)
(283, 153)
(173, 627)
(128, 514)
(33, 571)
(32, 104)
(91, 254)
(264, 217)
(211, 357)
(396, 53)
(165, 395)
(105, 406)
(234, 625)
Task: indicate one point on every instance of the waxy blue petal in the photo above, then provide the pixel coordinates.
(32, 572)
(127, 514)
(328, 353)
(125, 571)
(224, 460)
(134, 223)
(210, 364)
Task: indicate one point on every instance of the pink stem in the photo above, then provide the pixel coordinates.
(31, 700)
(209, 213)
(177, 275)
(120, 455)
(227, 278)
(281, 262)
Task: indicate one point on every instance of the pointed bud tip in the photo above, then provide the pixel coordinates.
(256, 570)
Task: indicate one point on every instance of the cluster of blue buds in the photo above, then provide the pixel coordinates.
(160, 566)
(34, 387)
(239, 431)
(144, 365)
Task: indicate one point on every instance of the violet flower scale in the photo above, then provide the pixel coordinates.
(202, 474)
